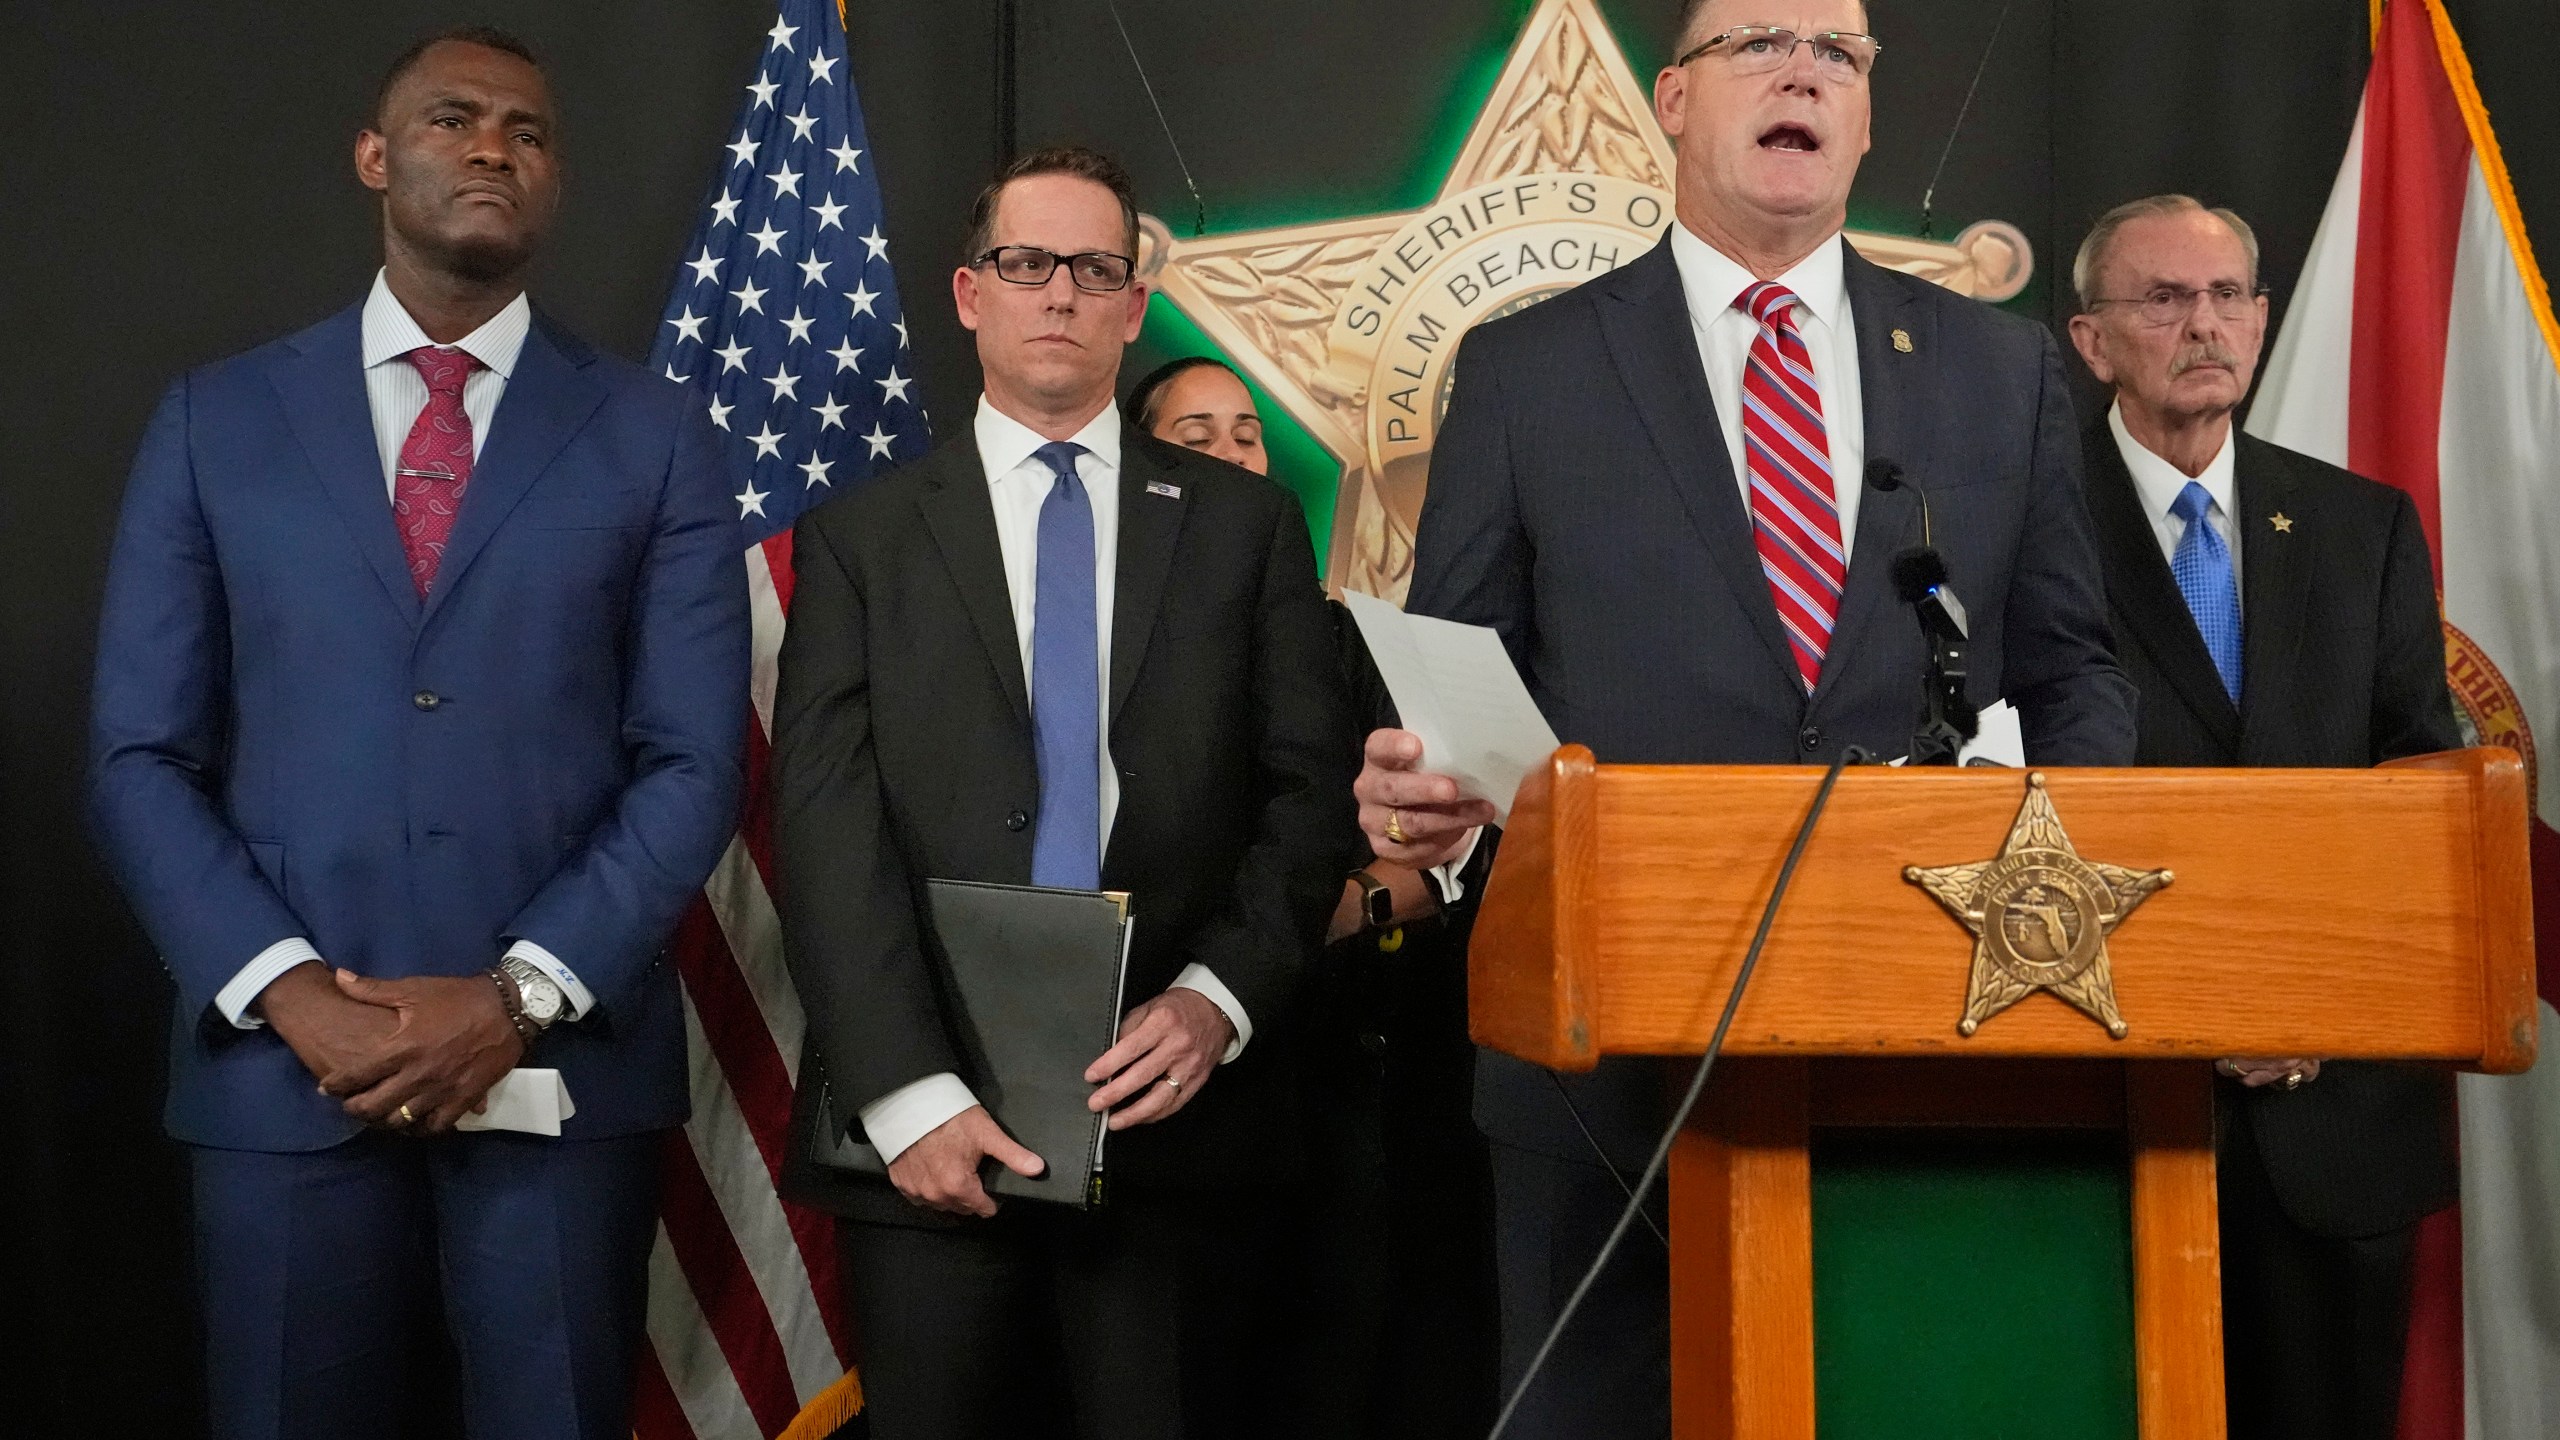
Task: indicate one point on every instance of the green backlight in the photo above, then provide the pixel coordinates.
(1304, 467)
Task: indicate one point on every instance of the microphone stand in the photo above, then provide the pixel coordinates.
(1947, 718)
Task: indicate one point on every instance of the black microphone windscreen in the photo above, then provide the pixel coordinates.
(1917, 571)
(1884, 475)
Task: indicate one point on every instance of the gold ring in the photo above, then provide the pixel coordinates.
(1395, 827)
(405, 1117)
(2293, 1080)
(1173, 1084)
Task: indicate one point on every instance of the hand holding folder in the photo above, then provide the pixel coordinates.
(1033, 980)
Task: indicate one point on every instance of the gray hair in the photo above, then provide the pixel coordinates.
(2093, 251)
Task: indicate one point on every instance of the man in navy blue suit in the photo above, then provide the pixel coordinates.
(1654, 487)
(418, 721)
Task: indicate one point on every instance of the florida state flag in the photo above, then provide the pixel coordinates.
(2420, 350)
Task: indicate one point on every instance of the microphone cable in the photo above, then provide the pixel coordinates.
(1697, 1086)
(1625, 1187)
(1930, 195)
(1199, 207)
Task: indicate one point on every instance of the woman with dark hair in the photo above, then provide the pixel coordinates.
(1202, 404)
(1384, 1324)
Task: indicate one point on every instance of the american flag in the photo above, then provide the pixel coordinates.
(785, 320)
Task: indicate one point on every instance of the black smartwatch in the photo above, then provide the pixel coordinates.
(1377, 902)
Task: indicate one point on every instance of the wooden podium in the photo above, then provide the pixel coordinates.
(2369, 914)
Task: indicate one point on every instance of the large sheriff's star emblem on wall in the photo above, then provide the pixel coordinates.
(1350, 324)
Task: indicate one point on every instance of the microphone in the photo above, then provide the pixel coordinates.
(1947, 718)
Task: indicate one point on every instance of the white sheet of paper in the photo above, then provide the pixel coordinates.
(1996, 738)
(533, 1101)
(1455, 686)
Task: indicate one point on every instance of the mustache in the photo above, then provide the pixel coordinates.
(2207, 353)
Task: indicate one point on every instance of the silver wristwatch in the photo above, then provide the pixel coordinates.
(539, 994)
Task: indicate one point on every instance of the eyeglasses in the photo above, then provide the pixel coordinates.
(2169, 304)
(1097, 271)
(1839, 55)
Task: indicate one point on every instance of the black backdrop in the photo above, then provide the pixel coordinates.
(176, 187)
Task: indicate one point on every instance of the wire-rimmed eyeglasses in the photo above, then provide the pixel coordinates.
(1841, 55)
(2169, 304)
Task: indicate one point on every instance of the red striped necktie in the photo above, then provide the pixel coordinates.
(1795, 517)
(435, 462)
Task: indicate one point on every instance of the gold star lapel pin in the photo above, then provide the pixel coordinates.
(2040, 917)
(2283, 524)
(1902, 341)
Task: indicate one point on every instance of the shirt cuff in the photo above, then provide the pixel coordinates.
(254, 978)
(580, 998)
(912, 1111)
(1198, 977)
(1451, 892)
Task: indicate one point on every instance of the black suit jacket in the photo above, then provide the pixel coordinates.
(1582, 503)
(903, 751)
(2342, 664)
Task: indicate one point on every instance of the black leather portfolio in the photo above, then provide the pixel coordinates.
(1034, 977)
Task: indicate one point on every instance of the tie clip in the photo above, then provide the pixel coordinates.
(1158, 487)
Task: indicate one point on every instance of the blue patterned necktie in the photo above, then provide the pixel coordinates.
(2203, 568)
(1066, 685)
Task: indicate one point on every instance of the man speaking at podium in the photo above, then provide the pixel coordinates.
(2274, 610)
(1655, 488)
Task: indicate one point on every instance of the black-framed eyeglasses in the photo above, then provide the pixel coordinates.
(1841, 55)
(2170, 304)
(1097, 271)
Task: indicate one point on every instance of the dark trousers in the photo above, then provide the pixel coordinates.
(327, 1275)
(1610, 1373)
(1383, 1324)
(1121, 1324)
(2314, 1329)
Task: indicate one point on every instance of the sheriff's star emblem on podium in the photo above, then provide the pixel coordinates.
(2040, 916)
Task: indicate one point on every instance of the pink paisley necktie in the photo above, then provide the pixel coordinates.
(435, 462)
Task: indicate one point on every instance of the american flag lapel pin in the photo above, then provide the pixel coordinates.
(1168, 491)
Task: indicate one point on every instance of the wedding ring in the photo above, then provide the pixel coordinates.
(1395, 827)
(405, 1117)
(1172, 1084)
(2293, 1080)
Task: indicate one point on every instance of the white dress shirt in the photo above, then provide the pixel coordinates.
(1711, 281)
(2159, 483)
(1018, 482)
(395, 392)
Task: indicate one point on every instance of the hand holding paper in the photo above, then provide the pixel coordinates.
(1456, 688)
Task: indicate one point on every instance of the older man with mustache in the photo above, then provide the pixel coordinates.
(2272, 610)
(1655, 488)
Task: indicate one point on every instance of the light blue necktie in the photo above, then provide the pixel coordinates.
(1066, 685)
(2203, 568)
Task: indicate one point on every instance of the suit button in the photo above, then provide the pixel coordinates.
(1810, 738)
(1016, 821)
(426, 700)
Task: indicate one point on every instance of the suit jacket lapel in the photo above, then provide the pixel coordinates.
(1889, 387)
(962, 518)
(2273, 599)
(547, 400)
(1645, 323)
(1150, 526)
(323, 392)
(2146, 595)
